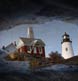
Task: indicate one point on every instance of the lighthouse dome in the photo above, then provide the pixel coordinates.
(66, 38)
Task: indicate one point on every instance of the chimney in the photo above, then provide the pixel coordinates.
(15, 43)
(30, 33)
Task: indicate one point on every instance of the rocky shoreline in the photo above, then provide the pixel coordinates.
(45, 75)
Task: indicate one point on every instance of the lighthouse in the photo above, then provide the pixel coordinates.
(67, 50)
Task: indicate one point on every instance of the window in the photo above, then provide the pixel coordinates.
(35, 50)
(66, 49)
(40, 50)
(20, 49)
(29, 49)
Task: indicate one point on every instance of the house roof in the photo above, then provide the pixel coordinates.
(10, 48)
(30, 41)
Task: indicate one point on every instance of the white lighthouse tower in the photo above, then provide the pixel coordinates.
(67, 50)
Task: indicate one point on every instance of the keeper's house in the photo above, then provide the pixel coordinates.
(30, 45)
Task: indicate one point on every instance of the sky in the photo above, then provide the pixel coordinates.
(50, 32)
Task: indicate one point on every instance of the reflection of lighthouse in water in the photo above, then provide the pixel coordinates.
(67, 50)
